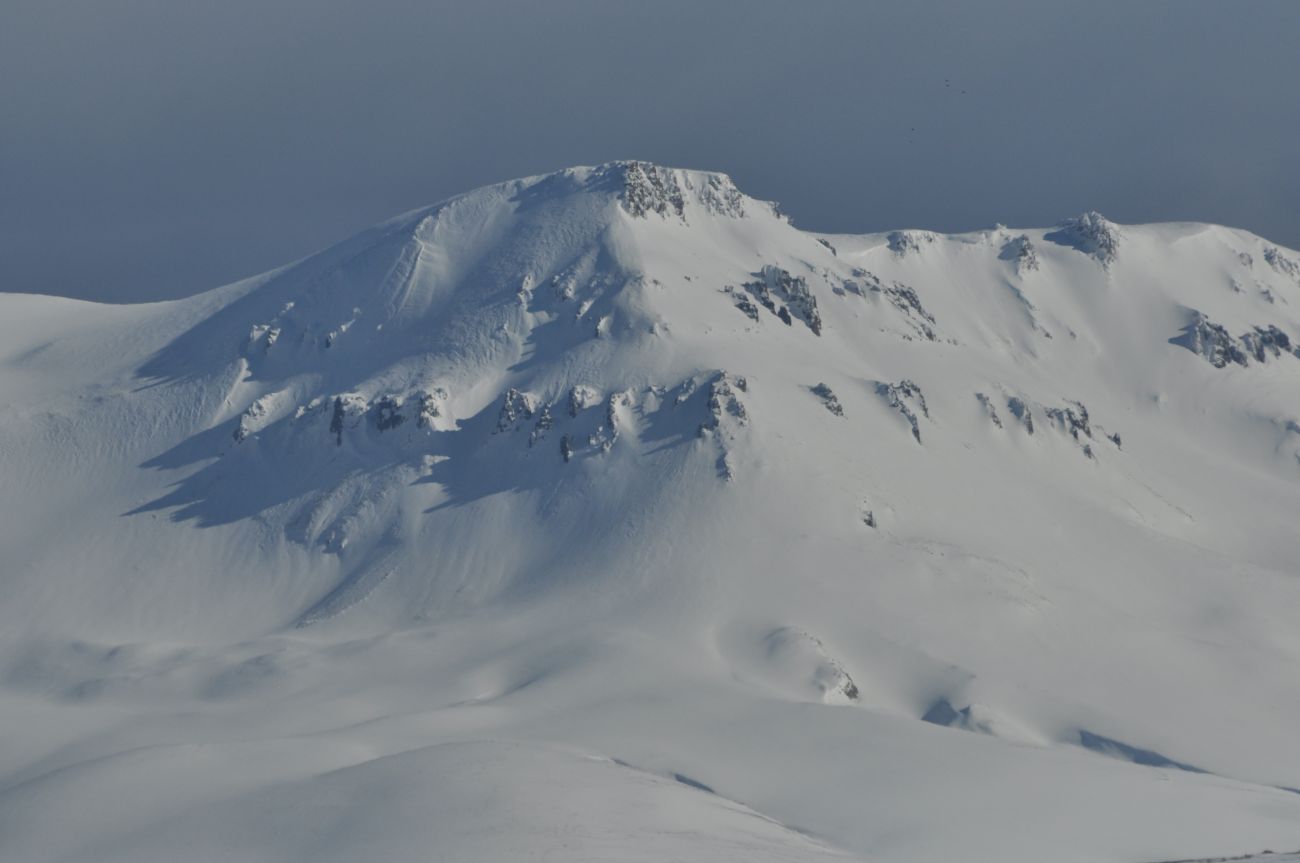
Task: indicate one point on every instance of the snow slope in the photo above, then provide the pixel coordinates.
(606, 515)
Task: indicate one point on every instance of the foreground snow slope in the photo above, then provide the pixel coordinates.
(606, 514)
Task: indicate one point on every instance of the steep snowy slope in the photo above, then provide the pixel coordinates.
(607, 513)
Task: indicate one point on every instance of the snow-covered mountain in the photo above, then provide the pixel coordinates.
(606, 515)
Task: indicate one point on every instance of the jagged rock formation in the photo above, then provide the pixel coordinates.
(1021, 252)
(516, 407)
(1073, 419)
(828, 399)
(388, 412)
(1091, 233)
(901, 297)
(1219, 348)
(862, 283)
(906, 301)
(582, 397)
(786, 296)
(252, 419)
(726, 413)
(721, 197)
(903, 243)
(1213, 342)
(906, 398)
(649, 188)
(1267, 341)
(545, 422)
(724, 401)
(1280, 262)
(1020, 410)
(746, 305)
(989, 409)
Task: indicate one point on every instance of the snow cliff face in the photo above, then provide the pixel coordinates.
(626, 430)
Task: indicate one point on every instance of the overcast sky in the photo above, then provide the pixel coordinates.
(156, 148)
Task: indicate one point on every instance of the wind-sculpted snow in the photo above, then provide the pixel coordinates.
(607, 515)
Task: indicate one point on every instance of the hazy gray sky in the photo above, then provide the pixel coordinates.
(155, 148)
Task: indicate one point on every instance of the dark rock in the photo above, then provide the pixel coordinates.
(1021, 252)
(832, 403)
(1212, 341)
(989, 409)
(800, 303)
(904, 242)
(542, 426)
(1265, 342)
(746, 305)
(905, 397)
(1072, 418)
(1280, 262)
(905, 299)
(515, 407)
(1021, 411)
(1092, 234)
(387, 412)
(649, 188)
(336, 421)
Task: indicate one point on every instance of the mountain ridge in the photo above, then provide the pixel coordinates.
(541, 461)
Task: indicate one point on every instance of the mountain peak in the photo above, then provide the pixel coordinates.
(1091, 233)
(642, 189)
(654, 188)
(574, 450)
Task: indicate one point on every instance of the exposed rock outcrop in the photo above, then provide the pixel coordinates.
(906, 398)
(989, 409)
(1280, 262)
(650, 188)
(785, 295)
(905, 299)
(1021, 252)
(726, 414)
(1021, 411)
(516, 407)
(1219, 348)
(903, 243)
(1091, 233)
(828, 399)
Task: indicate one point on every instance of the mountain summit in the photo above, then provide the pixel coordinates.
(989, 534)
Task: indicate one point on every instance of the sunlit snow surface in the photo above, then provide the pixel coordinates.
(607, 516)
